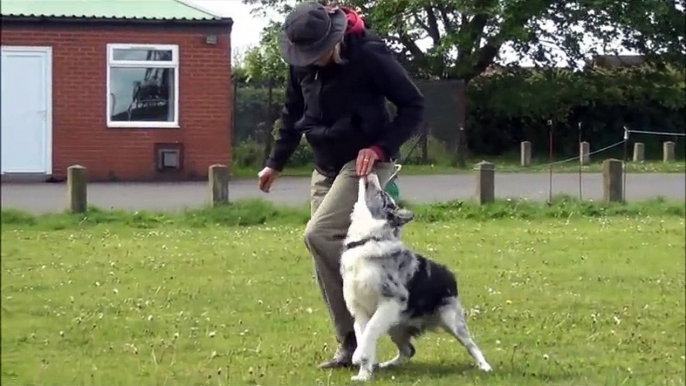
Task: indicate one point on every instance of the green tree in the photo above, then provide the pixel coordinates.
(263, 65)
(466, 36)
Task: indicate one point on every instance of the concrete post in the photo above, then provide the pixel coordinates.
(613, 189)
(585, 153)
(485, 182)
(77, 187)
(668, 151)
(526, 153)
(639, 152)
(219, 184)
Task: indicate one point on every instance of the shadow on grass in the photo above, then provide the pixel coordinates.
(415, 367)
(444, 369)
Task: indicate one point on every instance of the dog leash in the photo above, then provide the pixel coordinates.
(397, 167)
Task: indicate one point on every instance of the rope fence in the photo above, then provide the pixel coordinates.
(585, 154)
(655, 132)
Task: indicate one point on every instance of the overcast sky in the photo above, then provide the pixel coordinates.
(246, 28)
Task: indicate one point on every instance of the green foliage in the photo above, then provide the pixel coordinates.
(264, 62)
(509, 107)
(257, 212)
(466, 36)
(248, 153)
(506, 108)
(302, 156)
(252, 110)
(552, 94)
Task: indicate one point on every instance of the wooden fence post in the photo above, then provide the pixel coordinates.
(639, 152)
(668, 151)
(485, 183)
(77, 187)
(219, 184)
(585, 153)
(526, 153)
(613, 190)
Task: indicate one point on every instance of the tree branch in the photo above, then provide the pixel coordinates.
(472, 30)
(443, 10)
(484, 57)
(418, 20)
(477, 62)
(433, 29)
(412, 47)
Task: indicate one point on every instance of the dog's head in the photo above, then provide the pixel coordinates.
(382, 206)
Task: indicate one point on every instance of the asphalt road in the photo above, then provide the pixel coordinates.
(174, 196)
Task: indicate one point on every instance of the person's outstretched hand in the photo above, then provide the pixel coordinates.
(365, 161)
(267, 177)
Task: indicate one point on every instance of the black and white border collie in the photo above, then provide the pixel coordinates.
(388, 288)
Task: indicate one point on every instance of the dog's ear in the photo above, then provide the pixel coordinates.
(402, 217)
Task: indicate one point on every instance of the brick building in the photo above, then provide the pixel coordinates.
(132, 90)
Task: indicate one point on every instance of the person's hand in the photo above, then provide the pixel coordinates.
(365, 161)
(267, 177)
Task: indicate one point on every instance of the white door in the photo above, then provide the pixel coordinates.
(26, 98)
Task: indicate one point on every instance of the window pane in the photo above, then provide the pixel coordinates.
(142, 94)
(143, 54)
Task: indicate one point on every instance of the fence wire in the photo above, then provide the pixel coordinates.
(449, 134)
(656, 132)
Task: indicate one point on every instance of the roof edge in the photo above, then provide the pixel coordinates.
(199, 8)
(225, 21)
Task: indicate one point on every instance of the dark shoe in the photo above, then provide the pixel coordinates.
(336, 363)
(343, 356)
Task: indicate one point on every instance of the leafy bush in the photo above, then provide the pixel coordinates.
(252, 110)
(510, 107)
(248, 153)
(515, 105)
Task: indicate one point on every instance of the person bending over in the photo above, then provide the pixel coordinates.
(340, 75)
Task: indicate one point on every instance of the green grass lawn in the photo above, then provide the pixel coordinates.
(502, 165)
(568, 301)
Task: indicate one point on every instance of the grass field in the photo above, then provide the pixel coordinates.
(503, 165)
(552, 300)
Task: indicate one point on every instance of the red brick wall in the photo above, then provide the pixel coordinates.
(80, 132)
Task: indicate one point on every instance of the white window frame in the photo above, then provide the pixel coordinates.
(174, 63)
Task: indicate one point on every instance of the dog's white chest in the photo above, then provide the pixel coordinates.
(361, 281)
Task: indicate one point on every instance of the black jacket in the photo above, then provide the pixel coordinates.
(341, 109)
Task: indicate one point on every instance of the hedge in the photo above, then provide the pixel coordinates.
(506, 108)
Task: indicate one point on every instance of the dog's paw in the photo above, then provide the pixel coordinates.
(363, 376)
(484, 366)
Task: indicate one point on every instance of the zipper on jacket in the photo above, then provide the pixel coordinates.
(319, 95)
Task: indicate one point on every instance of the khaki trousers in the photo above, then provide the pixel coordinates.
(331, 203)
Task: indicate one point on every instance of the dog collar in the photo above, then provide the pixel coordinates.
(359, 243)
